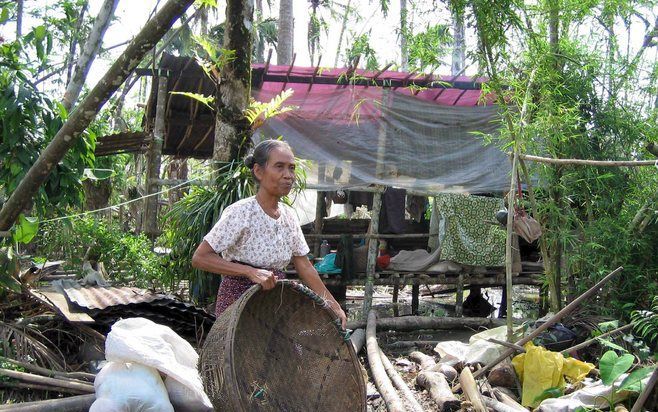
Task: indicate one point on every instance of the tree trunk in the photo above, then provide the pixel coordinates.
(74, 41)
(89, 52)
(404, 52)
(259, 54)
(285, 33)
(459, 47)
(342, 32)
(231, 126)
(89, 107)
(19, 19)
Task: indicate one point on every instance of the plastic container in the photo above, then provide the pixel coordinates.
(324, 248)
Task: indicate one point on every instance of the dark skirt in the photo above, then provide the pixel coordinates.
(232, 287)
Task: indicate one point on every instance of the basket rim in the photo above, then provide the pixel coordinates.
(244, 300)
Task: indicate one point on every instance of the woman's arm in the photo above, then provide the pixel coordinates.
(205, 258)
(309, 276)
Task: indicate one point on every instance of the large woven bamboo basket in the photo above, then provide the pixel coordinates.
(281, 350)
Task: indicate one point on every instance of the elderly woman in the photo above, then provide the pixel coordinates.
(255, 238)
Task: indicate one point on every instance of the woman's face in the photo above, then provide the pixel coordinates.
(278, 174)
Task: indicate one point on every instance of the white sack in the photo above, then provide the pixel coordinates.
(148, 343)
(130, 387)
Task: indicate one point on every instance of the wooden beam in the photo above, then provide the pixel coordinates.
(315, 73)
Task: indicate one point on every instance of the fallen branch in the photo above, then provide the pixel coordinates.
(507, 400)
(22, 386)
(400, 384)
(517, 348)
(439, 390)
(49, 372)
(42, 380)
(550, 322)
(384, 385)
(358, 339)
(71, 404)
(500, 406)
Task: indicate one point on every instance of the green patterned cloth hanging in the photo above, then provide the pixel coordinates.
(468, 239)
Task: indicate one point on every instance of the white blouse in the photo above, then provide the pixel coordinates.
(247, 234)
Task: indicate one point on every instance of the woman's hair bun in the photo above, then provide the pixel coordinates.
(249, 161)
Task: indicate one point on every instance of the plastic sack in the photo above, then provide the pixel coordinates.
(142, 341)
(478, 349)
(130, 387)
(540, 369)
(595, 395)
(328, 265)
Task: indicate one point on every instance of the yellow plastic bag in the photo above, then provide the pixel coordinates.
(540, 369)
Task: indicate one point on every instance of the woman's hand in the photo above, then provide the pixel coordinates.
(262, 277)
(340, 312)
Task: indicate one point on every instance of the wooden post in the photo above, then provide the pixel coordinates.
(372, 253)
(459, 298)
(396, 292)
(508, 247)
(154, 162)
(415, 291)
(319, 211)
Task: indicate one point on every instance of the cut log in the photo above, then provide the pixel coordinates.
(407, 344)
(358, 339)
(503, 375)
(80, 403)
(439, 390)
(411, 323)
(501, 407)
(446, 370)
(471, 392)
(400, 384)
(383, 383)
(425, 361)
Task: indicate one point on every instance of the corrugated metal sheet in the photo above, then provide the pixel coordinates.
(101, 297)
(105, 305)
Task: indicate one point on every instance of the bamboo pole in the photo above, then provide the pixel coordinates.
(595, 339)
(508, 247)
(550, 322)
(400, 384)
(384, 385)
(583, 162)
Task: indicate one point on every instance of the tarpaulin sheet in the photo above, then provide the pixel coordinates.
(355, 136)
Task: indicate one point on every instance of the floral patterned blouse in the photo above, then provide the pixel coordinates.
(247, 234)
